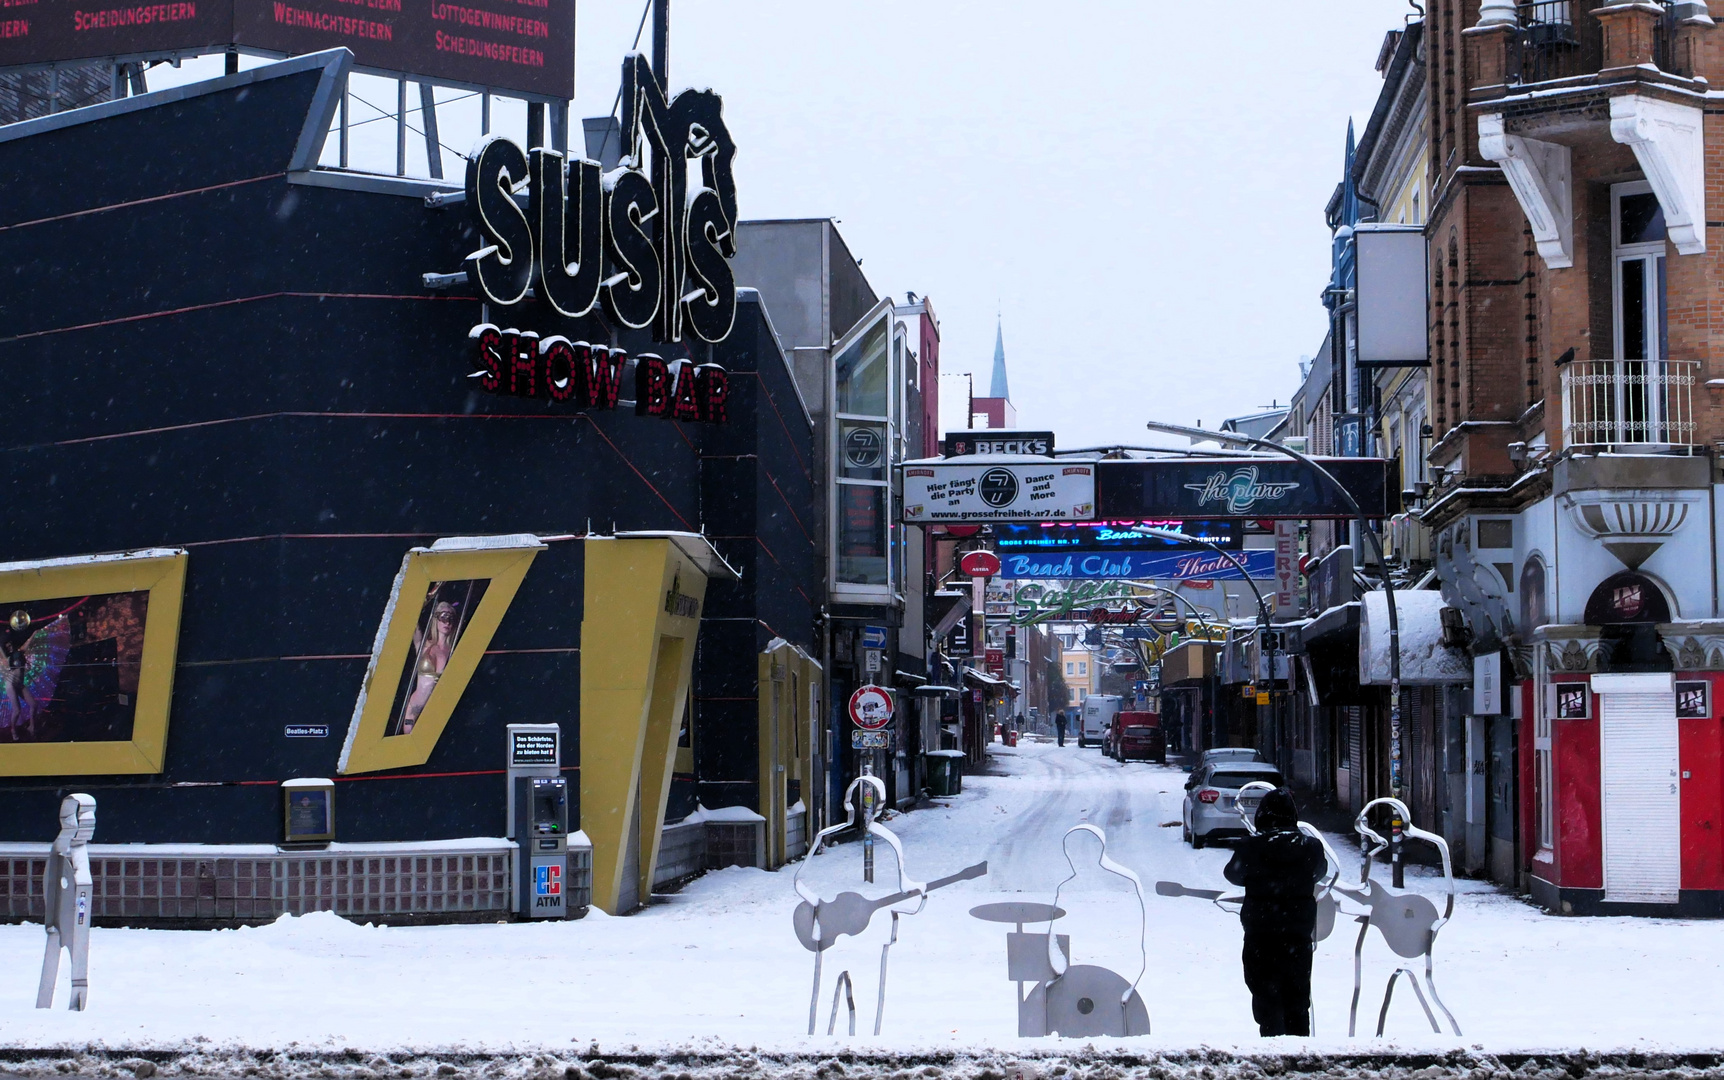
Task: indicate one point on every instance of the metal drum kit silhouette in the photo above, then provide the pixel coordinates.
(1073, 1000)
(1085, 1000)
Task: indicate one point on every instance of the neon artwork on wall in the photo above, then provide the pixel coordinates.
(87, 651)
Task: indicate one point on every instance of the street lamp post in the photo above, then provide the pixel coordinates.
(1264, 620)
(1388, 597)
(1193, 609)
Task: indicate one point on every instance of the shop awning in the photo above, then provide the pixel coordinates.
(1425, 660)
(982, 678)
(1336, 620)
(935, 688)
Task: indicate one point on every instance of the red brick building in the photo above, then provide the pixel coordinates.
(1574, 427)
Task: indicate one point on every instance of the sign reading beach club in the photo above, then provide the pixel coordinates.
(1251, 488)
(999, 490)
(1137, 565)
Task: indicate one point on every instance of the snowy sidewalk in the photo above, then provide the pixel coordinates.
(717, 965)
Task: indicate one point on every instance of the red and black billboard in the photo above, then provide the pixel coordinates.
(526, 46)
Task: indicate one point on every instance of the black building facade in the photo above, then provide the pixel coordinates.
(213, 345)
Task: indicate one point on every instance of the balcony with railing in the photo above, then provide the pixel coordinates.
(1629, 406)
(1564, 39)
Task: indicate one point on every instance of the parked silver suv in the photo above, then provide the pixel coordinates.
(1212, 802)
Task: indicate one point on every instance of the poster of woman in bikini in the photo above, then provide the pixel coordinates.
(443, 616)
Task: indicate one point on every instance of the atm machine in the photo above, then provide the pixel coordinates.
(542, 831)
(538, 821)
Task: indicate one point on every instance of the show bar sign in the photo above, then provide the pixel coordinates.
(649, 250)
(520, 364)
(1136, 565)
(1249, 488)
(526, 46)
(999, 488)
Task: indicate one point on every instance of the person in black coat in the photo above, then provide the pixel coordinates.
(1279, 868)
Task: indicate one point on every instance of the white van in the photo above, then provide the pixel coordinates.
(1098, 712)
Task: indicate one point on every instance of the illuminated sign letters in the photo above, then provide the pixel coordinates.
(653, 250)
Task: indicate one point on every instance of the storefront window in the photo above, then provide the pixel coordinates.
(862, 374)
(862, 534)
(863, 441)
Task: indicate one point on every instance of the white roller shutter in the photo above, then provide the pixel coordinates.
(1641, 803)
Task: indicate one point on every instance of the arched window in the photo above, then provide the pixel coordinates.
(1627, 598)
(1534, 609)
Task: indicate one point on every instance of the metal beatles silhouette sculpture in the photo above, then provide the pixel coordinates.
(820, 923)
(1328, 905)
(1073, 1000)
(1408, 921)
(66, 895)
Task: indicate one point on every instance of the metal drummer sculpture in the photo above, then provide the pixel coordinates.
(1073, 1000)
(66, 896)
(820, 923)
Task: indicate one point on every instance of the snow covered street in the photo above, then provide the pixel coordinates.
(717, 964)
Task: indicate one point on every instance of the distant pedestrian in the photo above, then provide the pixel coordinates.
(1060, 726)
(1279, 867)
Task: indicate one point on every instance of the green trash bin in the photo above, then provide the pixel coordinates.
(945, 772)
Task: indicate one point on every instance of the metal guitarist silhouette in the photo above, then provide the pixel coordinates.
(1408, 921)
(819, 923)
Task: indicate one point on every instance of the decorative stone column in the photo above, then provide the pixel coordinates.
(1692, 21)
(1628, 33)
(1491, 41)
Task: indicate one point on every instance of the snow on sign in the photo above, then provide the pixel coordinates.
(871, 708)
(999, 488)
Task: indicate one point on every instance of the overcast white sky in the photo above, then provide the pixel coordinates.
(1136, 186)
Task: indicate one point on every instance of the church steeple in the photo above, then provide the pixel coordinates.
(998, 386)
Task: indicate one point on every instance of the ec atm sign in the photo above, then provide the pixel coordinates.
(547, 883)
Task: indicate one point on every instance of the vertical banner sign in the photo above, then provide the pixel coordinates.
(1487, 685)
(1286, 565)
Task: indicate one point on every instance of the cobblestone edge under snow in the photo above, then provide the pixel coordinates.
(723, 1063)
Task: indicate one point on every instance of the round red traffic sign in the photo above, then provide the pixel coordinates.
(871, 708)
(980, 564)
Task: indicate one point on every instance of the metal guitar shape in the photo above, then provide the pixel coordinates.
(819, 925)
(1408, 922)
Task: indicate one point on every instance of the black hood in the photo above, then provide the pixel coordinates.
(1277, 812)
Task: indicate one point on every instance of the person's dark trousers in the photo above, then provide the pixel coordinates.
(1278, 974)
(1062, 736)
